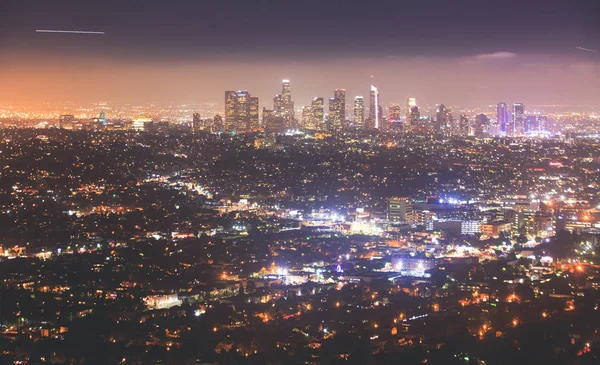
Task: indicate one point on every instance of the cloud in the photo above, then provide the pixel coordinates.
(495, 56)
(483, 58)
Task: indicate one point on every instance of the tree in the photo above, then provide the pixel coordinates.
(524, 292)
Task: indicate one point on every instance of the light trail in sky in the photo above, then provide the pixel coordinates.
(587, 49)
(68, 31)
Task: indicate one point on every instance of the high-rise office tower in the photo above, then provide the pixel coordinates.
(334, 122)
(278, 104)
(410, 102)
(464, 126)
(317, 112)
(340, 96)
(307, 118)
(272, 121)
(414, 116)
(283, 104)
(196, 121)
(241, 110)
(481, 125)
(267, 119)
(542, 122)
(359, 111)
(518, 119)
(400, 210)
(218, 124)
(374, 110)
(395, 113)
(530, 124)
(253, 113)
(451, 123)
(535, 123)
(66, 121)
(441, 118)
(230, 114)
(285, 92)
(337, 109)
(502, 118)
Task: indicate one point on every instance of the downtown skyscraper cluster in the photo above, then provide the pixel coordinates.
(241, 110)
(516, 123)
(242, 114)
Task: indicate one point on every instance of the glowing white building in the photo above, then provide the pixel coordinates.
(374, 107)
(139, 123)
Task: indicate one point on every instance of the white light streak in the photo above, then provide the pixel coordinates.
(587, 49)
(67, 31)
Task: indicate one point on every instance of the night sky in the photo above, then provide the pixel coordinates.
(466, 52)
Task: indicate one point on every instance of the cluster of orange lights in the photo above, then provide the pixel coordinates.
(484, 328)
(513, 298)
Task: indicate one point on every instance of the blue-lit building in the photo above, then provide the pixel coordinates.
(502, 117)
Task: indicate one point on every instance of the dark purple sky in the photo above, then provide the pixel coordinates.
(458, 51)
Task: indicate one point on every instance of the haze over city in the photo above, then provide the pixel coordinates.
(465, 52)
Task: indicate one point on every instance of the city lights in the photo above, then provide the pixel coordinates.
(282, 182)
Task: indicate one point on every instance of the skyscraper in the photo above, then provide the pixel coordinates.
(518, 119)
(337, 109)
(410, 102)
(359, 111)
(253, 113)
(374, 114)
(272, 121)
(542, 122)
(333, 116)
(441, 118)
(464, 126)
(400, 210)
(217, 124)
(241, 110)
(283, 104)
(307, 118)
(502, 117)
(317, 112)
(481, 125)
(286, 93)
(530, 124)
(230, 114)
(395, 113)
(414, 116)
(196, 122)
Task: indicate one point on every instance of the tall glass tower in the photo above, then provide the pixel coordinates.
(374, 114)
